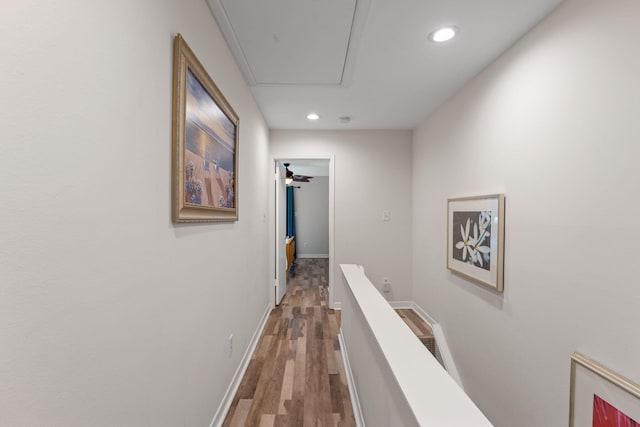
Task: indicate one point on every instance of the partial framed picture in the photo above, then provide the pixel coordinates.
(601, 397)
(475, 239)
(205, 144)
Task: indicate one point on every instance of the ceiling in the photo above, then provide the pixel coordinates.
(368, 60)
(309, 167)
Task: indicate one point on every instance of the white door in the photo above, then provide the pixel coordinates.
(281, 232)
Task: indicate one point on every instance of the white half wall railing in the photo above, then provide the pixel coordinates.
(443, 354)
(397, 380)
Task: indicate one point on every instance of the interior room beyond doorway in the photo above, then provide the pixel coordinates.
(306, 203)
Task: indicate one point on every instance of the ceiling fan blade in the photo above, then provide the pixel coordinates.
(301, 177)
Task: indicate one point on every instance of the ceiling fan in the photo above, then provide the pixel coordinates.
(294, 177)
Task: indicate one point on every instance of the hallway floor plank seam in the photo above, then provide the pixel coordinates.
(296, 376)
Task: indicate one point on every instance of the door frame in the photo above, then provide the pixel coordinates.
(280, 246)
(273, 213)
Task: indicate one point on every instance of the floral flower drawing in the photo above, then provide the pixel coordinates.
(472, 232)
(192, 186)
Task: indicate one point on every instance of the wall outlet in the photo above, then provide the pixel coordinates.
(386, 216)
(230, 345)
(386, 285)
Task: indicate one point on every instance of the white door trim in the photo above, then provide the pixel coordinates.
(272, 255)
(280, 232)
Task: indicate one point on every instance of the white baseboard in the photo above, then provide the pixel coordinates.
(221, 413)
(337, 305)
(415, 307)
(438, 334)
(312, 255)
(401, 304)
(445, 353)
(353, 392)
(423, 314)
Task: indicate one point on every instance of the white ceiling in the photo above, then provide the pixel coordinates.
(309, 167)
(277, 49)
(370, 60)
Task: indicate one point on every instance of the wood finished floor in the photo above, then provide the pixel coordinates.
(296, 376)
(419, 327)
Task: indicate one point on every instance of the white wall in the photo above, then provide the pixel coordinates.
(554, 125)
(109, 313)
(312, 217)
(372, 174)
(381, 398)
(398, 382)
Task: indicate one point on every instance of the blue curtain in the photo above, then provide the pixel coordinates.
(291, 219)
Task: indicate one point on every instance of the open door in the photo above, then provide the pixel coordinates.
(281, 232)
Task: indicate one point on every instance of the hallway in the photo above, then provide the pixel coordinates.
(296, 376)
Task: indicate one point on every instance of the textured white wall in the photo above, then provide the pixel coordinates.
(372, 174)
(109, 313)
(312, 216)
(554, 125)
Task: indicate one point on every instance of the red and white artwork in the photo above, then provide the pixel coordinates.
(606, 415)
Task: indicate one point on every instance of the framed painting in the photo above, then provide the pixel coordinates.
(475, 239)
(601, 397)
(205, 144)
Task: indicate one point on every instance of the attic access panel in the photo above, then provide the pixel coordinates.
(292, 42)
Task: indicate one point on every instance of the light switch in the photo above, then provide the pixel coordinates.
(386, 215)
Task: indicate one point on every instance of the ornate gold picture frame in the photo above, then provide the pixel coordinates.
(205, 144)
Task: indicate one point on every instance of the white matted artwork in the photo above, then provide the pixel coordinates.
(601, 397)
(475, 239)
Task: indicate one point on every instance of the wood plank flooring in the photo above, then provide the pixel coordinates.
(296, 376)
(419, 327)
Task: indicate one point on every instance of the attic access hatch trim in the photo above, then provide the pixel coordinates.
(353, 35)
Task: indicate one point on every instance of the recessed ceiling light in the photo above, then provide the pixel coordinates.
(313, 116)
(443, 34)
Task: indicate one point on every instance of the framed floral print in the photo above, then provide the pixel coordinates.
(475, 239)
(601, 397)
(205, 144)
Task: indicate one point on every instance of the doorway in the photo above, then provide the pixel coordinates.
(308, 173)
